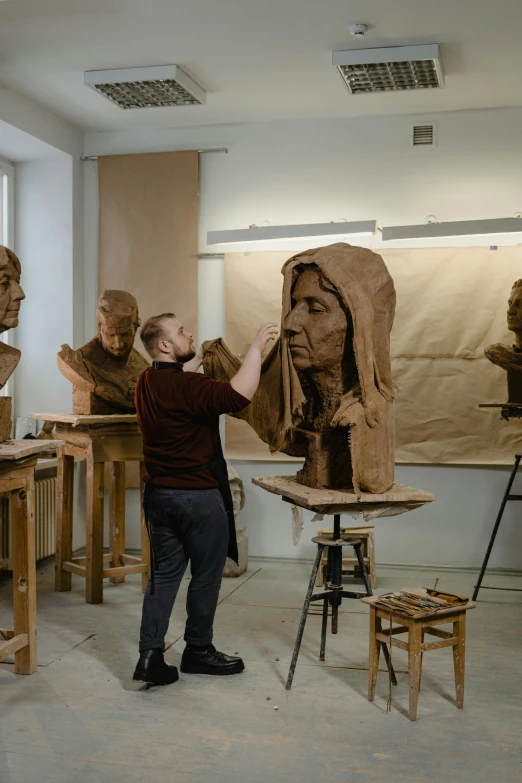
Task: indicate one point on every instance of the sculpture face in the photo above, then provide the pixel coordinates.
(514, 313)
(119, 339)
(11, 294)
(316, 325)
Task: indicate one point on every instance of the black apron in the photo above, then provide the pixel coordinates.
(218, 468)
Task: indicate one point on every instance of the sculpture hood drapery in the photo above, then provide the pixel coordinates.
(367, 292)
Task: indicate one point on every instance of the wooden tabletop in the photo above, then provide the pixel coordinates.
(12, 450)
(78, 419)
(372, 599)
(400, 495)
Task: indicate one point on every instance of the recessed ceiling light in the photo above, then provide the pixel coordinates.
(146, 88)
(391, 69)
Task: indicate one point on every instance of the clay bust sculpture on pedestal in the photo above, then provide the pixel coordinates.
(104, 372)
(326, 390)
(11, 295)
(510, 357)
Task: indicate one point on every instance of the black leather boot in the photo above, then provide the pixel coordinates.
(153, 670)
(207, 660)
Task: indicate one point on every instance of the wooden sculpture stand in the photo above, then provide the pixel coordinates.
(17, 463)
(113, 439)
(399, 498)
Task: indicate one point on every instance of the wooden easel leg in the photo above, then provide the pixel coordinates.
(145, 542)
(117, 516)
(459, 657)
(24, 575)
(375, 648)
(415, 666)
(64, 519)
(371, 557)
(94, 524)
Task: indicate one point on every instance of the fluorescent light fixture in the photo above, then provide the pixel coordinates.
(361, 228)
(390, 69)
(146, 88)
(460, 228)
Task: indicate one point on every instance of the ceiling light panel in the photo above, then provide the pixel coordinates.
(392, 69)
(146, 88)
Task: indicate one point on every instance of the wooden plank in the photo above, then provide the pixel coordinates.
(335, 501)
(64, 518)
(385, 637)
(74, 568)
(83, 560)
(439, 645)
(86, 419)
(19, 449)
(124, 447)
(145, 541)
(111, 573)
(459, 657)
(94, 525)
(439, 632)
(116, 516)
(414, 666)
(24, 574)
(6, 633)
(131, 560)
(14, 645)
(373, 658)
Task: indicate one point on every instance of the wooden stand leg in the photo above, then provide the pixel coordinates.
(459, 657)
(94, 523)
(371, 558)
(64, 519)
(415, 666)
(117, 516)
(24, 575)
(145, 542)
(375, 648)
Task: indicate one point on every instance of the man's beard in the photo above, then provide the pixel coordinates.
(182, 358)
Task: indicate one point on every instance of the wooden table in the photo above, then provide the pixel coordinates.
(416, 627)
(113, 439)
(17, 463)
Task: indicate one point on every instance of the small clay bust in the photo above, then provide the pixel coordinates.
(510, 357)
(104, 372)
(11, 295)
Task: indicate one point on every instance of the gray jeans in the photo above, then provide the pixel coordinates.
(186, 525)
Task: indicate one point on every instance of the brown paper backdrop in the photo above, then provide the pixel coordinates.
(148, 235)
(451, 303)
(148, 232)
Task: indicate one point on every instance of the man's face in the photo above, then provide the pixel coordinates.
(316, 325)
(514, 313)
(177, 342)
(117, 340)
(11, 295)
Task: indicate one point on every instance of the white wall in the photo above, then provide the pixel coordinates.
(44, 243)
(365, 168)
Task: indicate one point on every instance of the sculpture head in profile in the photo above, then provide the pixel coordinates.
(509, 357)
(105, 370)
(11, 295)
(326, 390)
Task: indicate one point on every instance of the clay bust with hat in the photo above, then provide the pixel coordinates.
(104, 372)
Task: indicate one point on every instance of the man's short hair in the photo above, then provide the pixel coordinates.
(153, 331)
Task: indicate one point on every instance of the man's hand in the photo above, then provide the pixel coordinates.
(267, 332)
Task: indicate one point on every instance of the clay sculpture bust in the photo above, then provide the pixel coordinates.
(11, 295)
(104, 372)
(510, 357)
(326, 390)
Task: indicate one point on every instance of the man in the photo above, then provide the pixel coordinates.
(104, 372)
(187, 497)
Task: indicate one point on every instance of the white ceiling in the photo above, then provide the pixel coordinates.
(258, 59)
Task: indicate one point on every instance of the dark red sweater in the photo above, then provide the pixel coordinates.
(178, 414)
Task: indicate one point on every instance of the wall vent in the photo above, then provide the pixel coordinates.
(423, 135)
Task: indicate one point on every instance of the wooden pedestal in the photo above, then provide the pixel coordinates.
(17, 463)
(113, 439)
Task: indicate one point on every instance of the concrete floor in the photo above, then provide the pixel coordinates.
(80, 719)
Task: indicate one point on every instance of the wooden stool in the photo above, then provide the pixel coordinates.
(99, 440)
(416, 627)
(366, 536)
(17, 463)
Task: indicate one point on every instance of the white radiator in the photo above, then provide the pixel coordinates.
(45, 521)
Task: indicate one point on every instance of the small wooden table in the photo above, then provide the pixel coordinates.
(397, 500)
(113, 439)
(17, 463)
(416, 627)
